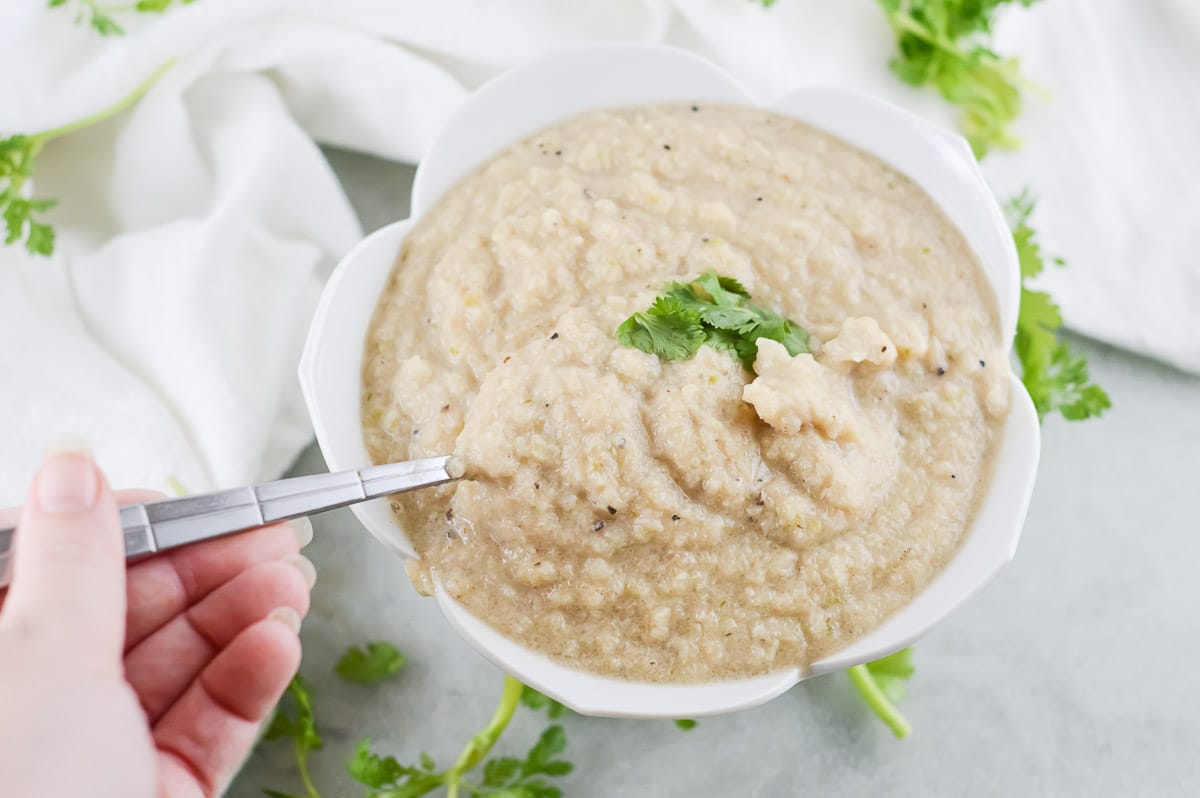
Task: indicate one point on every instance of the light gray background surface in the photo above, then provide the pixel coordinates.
(1076, 672)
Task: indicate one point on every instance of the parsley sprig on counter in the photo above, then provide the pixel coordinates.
(710, 310)
(946, 43)
(384, 776)
(1056, 378)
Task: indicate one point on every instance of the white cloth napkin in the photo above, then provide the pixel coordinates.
(195, 230)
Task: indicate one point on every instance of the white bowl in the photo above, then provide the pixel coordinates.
(562, 84)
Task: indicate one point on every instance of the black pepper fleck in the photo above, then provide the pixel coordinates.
(941, 371)
(612, 510)
(883, 349)
(705, 239)
(674, 518)
(558, 152)
(982, 364)
(547, 404)
(597, 526)
(537, 486)
(758, 199)
(416, 432)
(953, 477)
(666, 146)
(450, 514)
(695, 108)
(552, 337)
(445, 408)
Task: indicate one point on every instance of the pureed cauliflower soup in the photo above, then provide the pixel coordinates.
(708, 516)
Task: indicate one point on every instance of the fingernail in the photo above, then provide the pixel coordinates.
(304, 566)
(286, 616)
(302, 527)
(68, 444)
(66, 482)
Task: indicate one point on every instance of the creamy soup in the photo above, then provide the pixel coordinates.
(692, 519)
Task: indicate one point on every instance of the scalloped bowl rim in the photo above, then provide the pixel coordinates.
(546, 89)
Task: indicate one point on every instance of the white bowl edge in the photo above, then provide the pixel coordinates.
(331, 366)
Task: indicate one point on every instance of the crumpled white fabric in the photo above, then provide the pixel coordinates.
(195, 230)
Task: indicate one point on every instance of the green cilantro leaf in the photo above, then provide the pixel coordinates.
(667, 329)
(945, 43)
(499, 771)
(374, 770)
(686, 724)
(377, 662)
(711, 310)
(881, 684)
(18, 158)
(534, 700)
(1056, 378)
(541, 756)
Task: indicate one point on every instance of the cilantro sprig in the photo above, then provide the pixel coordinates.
(1056, 378)
(710, 310)
(384, 776)
(18, 161)
(295, 720)
(375, 662)
(502, 777)
(100, 17)
(946, 43)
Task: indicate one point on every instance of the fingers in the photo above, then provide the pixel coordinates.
(162, 666)
(162, 587)
(68, 577)
(206, 735)
(10, 515)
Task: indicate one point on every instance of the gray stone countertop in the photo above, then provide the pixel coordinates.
(1076, 672)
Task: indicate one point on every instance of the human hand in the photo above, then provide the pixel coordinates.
(146, 682)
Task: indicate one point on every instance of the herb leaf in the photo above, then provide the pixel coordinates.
(667, 329)
(377, 662)
(945, 43)
(711, 310)
(1056, 377)
(18, 158)
(534, 700)
(97, 16)
(686, 724)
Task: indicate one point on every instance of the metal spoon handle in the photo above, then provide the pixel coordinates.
(170, 523)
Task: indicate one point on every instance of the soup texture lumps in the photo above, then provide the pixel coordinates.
(687, 520)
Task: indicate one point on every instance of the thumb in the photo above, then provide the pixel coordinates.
(68, 567)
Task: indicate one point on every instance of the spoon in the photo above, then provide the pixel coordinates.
(170, 523)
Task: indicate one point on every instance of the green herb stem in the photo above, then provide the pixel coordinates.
(879, 703)
(481, 744)
(104, 113)
(302, 766)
